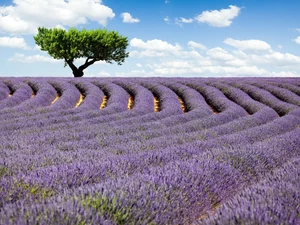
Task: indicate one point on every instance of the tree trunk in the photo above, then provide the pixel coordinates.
(78, 73)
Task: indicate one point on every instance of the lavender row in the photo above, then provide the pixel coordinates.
(219, 130)
(64, 120)
(291, 87)
(274, 200)
(71, 97)
(21, 92)
(68, 96)
(4, 91)
(46, 94)
(78, 181)
(266, 97)
(138, 134)
(281, 93)
(234, 112)
(176, 193)
(111, 90)
(281, 126)
(194, 130)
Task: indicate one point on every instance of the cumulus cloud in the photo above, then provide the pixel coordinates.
(155, 44)
(33, 58)
(127, 18)
(236, 63)
(193, 45)
(147, 53)
(182, 20)
(221, 18)
(166, 19)
(13, 42)
(285, 74)
(277, 58)
(248, 44)
(103, 73)
(189, 69)
(175, 64)
(26, 15)
(188, 54)
(219, 54)
(81, 61)
(297, 40)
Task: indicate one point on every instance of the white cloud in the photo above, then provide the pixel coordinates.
(37, 48)
(175, 64)
(240, 54)
(279, 46)
(81, 61)
(188, 54)
(236, 63)
(147, 53)
(279, 59)
(190, 69)
(26, 15)
(219, 54)
(170, 71)
(193, 45)
(222, 18)
(285, 74)
(184, 20)
(171, 60)
(248, 44)
(245, 71)
(139, 65)
(155, 44)
(166, 19)
(127, 18)
(103, 73)
(13, 42)
(33, 58)
(297, 40)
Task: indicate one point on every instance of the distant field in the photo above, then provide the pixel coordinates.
(149, 151)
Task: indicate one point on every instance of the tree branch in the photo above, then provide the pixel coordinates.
(87, 59)
(88, 63)
(71, 64)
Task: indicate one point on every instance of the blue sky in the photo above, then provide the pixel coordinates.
(172, 38)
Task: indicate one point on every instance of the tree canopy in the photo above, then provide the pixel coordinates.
(94, 45)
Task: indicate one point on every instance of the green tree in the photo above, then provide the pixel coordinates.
(93, 45)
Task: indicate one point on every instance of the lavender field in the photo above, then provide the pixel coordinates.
(149, 151)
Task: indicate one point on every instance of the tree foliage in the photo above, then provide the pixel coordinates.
(94, 45)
